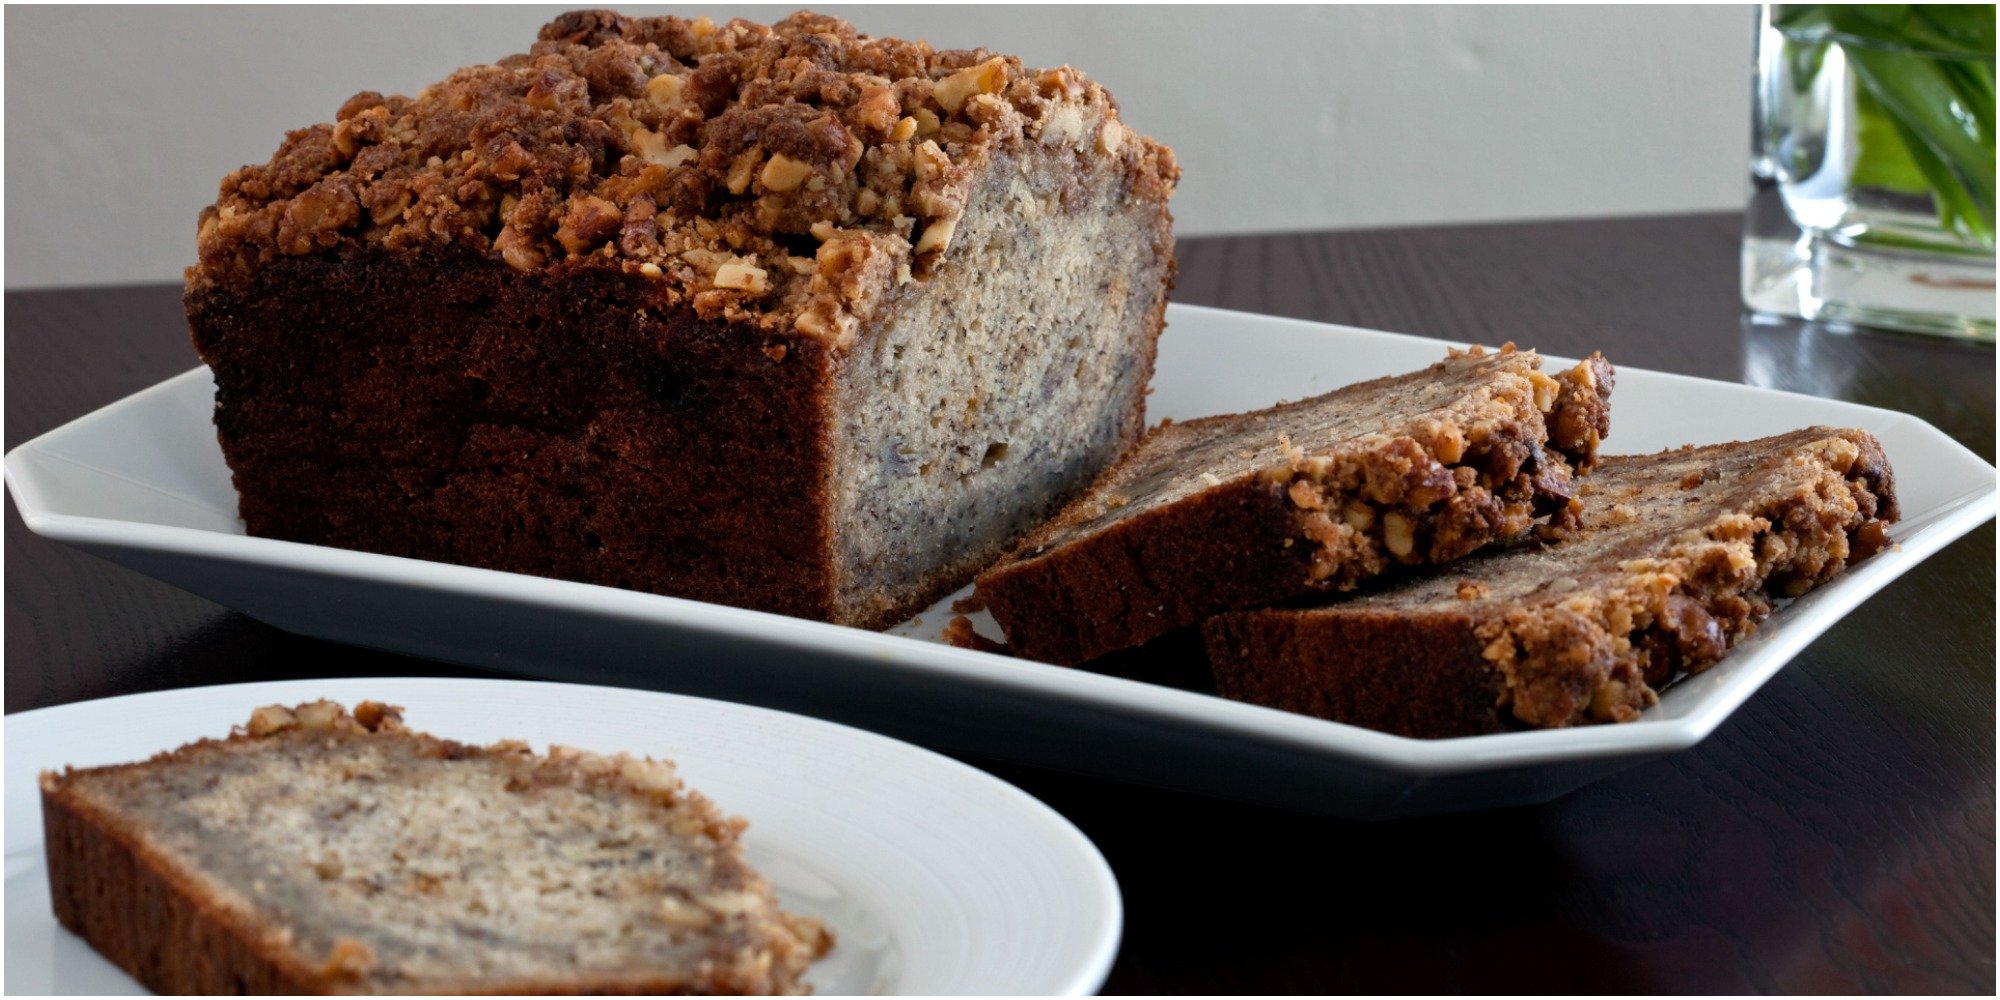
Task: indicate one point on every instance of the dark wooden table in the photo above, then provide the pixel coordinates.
(1836, 835)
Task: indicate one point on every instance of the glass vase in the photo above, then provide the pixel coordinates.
(1872, 167)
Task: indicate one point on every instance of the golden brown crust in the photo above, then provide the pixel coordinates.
(177, 931)
(787, 177)
(1675, 557)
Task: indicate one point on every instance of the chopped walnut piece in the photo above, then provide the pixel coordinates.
(518, 250)
(704, 260)
(389, 204)
(816, 324)
(742, 169)
(936, 237)
(320, 714)
(375, 716)
(1110, 136)
(1306, 496)
(589, 222)
(652, 147)
(314, 219)
(879, 110)
(986, 78)
(1063, 127)
(1399, 534)
(742, 276)
(1060, 83)
(665, 88)
(677, 912)
(782, 173)
(1358, 516)
(1546, 389)
(270, 719)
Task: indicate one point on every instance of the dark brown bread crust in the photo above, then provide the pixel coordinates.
(1148, 576)
(1099, 579)
(1430, 692)
(554, 425)
(160, 923)
(1586, 628)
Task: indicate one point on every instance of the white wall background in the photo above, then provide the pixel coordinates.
(120, 121)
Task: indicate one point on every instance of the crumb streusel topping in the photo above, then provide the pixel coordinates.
(790, 176)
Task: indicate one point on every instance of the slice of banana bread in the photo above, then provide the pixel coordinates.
(781, 317)
(1676, 557)
(314, 851)
(1316, 495)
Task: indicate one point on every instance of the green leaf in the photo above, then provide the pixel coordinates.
(1974, 82)
(1913, 26)
(1970, 25)
(1944, 135)
(1958, 210)
(1883, 159)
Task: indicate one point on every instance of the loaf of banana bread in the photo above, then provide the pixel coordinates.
(782, 317)
(1674, 558)
(317, 851)
(1317, 495)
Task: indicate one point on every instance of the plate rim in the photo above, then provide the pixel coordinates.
(1102, 886)
(1156, 704)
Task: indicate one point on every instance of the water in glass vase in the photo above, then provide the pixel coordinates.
(1873, 167)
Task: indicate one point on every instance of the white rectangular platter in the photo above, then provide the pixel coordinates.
(142, 483)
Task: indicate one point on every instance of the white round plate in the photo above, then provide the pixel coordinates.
(936, 877)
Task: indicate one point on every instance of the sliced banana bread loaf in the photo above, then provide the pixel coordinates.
(1317, 495)
(782, 317)
(1676, 557)
(314, 851)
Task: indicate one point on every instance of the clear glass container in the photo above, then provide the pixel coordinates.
(1872, 170)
